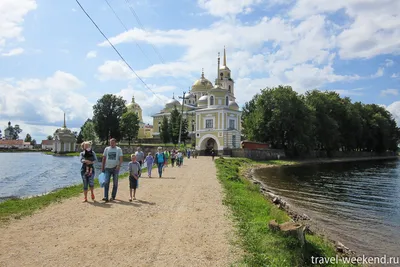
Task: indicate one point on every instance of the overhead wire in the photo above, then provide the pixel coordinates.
(115, 49)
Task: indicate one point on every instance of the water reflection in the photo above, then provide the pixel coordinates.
(357, 203)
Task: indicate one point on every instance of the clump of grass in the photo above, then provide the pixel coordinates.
(252, 212)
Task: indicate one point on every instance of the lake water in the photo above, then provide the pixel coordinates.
(28, 174)
(355, 203)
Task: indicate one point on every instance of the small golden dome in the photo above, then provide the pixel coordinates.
(202, 84)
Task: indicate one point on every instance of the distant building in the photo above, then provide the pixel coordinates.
(144, 130)
(18, 144)
(214, 118)
(47, 144)
(64, 140)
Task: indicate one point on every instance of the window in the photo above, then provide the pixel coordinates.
(226, 101)
(233, 140)
(211, 100)
(222, 75)
(231, 124)
(195, 97)
(209, 124)
(229, 88)
(193, 125)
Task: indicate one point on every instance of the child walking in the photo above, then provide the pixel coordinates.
(149, 162)
(134, 173)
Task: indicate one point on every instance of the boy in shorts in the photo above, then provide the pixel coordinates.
(134, 174)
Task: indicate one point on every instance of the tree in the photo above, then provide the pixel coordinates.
(50, 137)
(13, 131)
(88, 132)
(129, 126)
(165, 131)
(33, 142)
(28, 138)
(184, 131)
(174, 125)
(107, 115)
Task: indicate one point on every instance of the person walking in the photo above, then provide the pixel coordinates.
(140, 157)
(88, 180)
(160, 159)
(212, 154)
(173, 157)
(134, 174)
(111, 164)
(149, 162)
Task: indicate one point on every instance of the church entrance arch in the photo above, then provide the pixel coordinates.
(207, 144)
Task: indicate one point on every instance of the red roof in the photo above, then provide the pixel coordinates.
(12, 142)
(48, 142)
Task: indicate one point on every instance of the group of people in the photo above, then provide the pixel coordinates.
(112, 161)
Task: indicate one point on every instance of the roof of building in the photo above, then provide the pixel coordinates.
(47, 142)
(12, 142)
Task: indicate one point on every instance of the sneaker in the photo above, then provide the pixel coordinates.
(92, 196)
(84, 200)
(111, 199)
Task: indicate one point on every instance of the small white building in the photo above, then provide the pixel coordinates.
(64, 140)
(47, 144)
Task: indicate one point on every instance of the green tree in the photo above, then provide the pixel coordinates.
(28, 138)
(107, 115)
(33, 142)
(130, 126)
(88, 132)
(13, 131)
(184, 131)
(50, 137)
(165, 131)
(174, 125)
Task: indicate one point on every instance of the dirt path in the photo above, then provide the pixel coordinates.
(179, 220)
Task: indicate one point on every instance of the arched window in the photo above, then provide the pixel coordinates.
(195, 97)
(211, 100)
(226, 101)
(229, 88)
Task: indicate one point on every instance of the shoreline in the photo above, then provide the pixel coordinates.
(293, 211)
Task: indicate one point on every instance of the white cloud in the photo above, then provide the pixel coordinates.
(44, 101)
(379, 73)
(12, 17)
(114, 70)
(350, 92)
(221, 8)
(370, 23)
(387, 92)
(13, 52)
(91, 54)
(395, 75)
(394, 108)
(389, 63)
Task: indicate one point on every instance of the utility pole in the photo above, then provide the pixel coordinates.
(180, 126)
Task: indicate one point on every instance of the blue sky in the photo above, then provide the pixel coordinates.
(53, 60)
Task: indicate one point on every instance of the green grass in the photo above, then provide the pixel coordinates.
(18, 208)
(252, 212)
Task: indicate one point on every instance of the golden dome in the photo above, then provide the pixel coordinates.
(202, 84)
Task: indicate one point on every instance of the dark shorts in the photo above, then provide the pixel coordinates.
(133, 183)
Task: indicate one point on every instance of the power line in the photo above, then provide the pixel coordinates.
(123, 59)
(141, 26)
(126, 28)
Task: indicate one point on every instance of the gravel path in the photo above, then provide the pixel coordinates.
(178, 220)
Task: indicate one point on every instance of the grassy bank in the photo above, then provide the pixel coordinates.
(252, 212)
(17, 208)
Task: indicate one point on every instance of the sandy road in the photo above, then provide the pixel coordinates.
(178, 220)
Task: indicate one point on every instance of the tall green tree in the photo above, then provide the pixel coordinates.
(28, 138)
(89, 132)
(184, 131)
(13, 131)
(50, 137)
(174, 125)
(107, 115)
(129, 126)
(165, 131)
(33, 142)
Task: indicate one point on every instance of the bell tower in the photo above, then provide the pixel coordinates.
(225, 79)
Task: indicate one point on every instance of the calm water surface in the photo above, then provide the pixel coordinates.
(28, 174)
(356, 203)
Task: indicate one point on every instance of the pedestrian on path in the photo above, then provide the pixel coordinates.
(139, 156)
(134, 174)
(179, 159)
(160, 159)
(88, 180)
(111, 164)
(173, 157)
(212, 154)
(149, 162)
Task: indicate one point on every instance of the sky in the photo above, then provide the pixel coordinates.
(54, 60)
